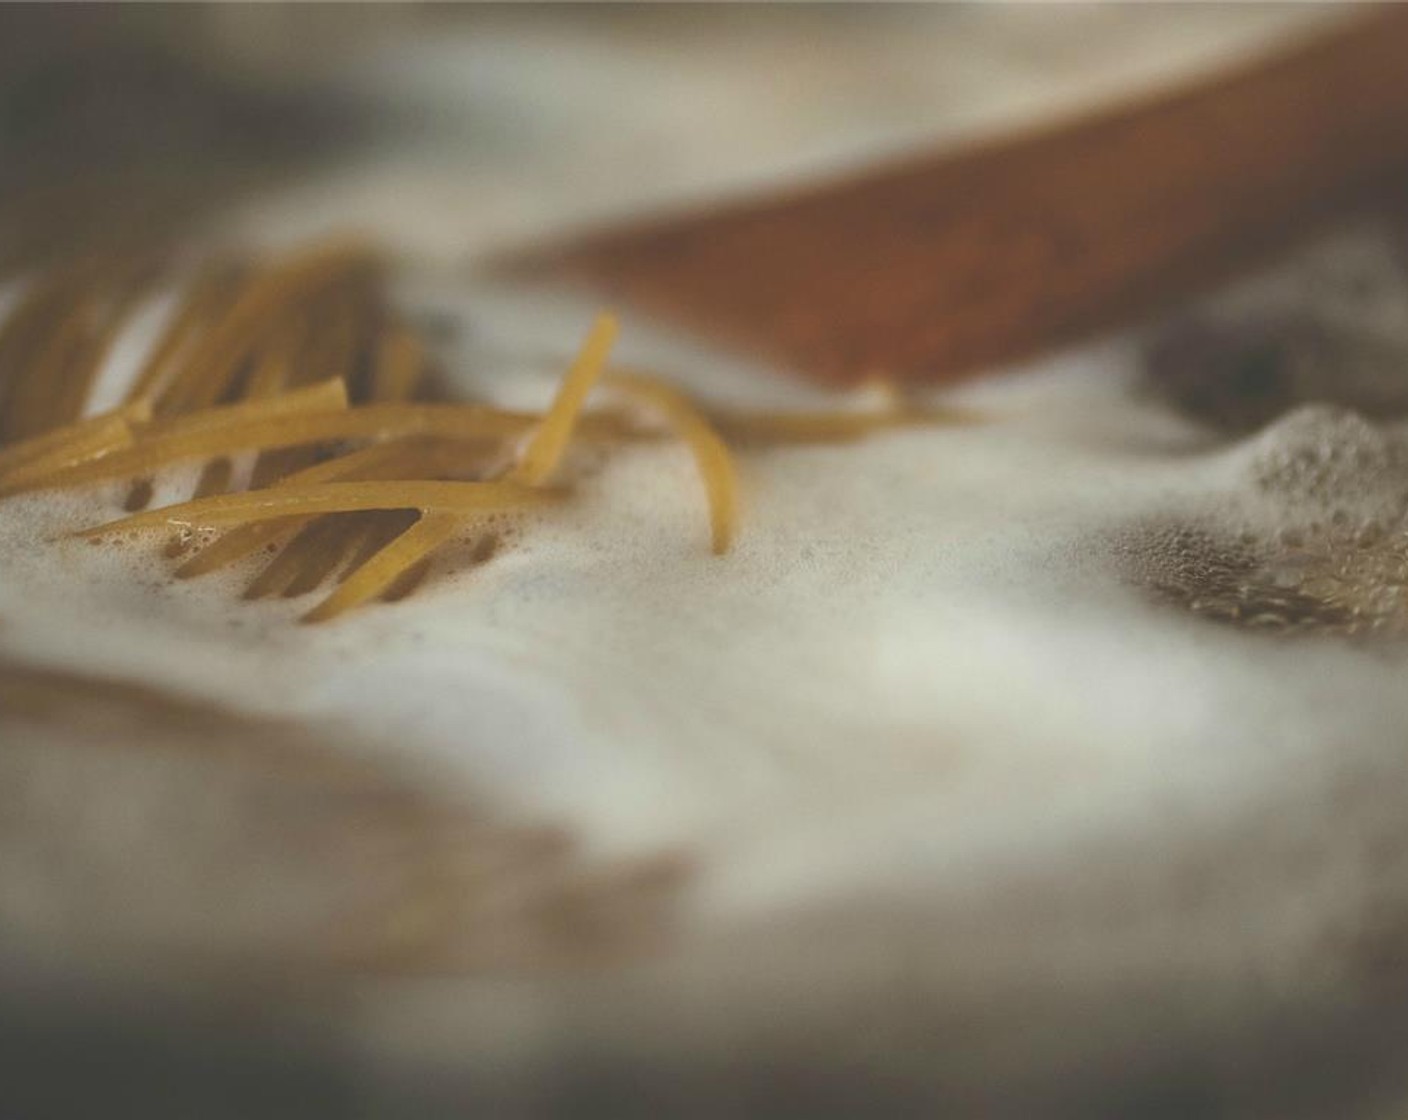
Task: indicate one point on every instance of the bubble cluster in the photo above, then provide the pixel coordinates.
(1304, 528)
(1315, 540)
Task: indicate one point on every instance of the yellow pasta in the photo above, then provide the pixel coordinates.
(303, 358)
(325, 396)
(213, 361)
(73, 442)
(375, 531)
(398, 459)
(398, 365)
(712, 456)
(273, 366)
(235, 545)
(549, 441)
(200, 436)
(471, 423)
(284, 571)
(405, 458)
(349, 537)
(215, 478)
(36, 402)
(380, 572)
(112, 435)
(210, 292)
(41, 307)
(108, 313)
(43, 328)
(331, 497)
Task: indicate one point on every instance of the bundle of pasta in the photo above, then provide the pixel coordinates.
(359, 473)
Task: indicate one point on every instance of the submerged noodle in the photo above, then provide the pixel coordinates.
(381, 572)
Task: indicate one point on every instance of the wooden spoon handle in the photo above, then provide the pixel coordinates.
(936, 267)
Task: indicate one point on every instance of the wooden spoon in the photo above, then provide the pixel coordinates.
(936, 267)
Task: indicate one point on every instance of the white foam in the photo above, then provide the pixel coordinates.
(917, 661)
(920, 677)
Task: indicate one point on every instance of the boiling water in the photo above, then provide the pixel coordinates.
(1060, 659)
(981, 725)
